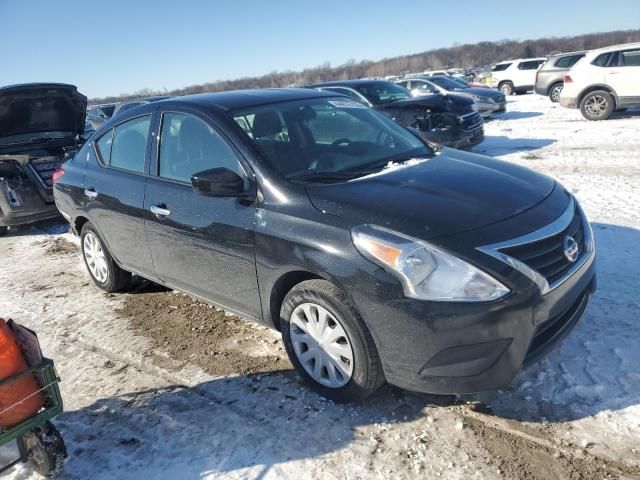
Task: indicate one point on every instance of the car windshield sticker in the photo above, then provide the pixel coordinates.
(346, 104)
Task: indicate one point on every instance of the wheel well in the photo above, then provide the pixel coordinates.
(560, 82)
(280, 289)
(593, 88)
(502, 82)
(79, 223)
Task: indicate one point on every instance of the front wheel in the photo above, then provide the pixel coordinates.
(328, 343)
(44, 448)
(554, 93)
(103, 270)
(3, 231)
(597, 105)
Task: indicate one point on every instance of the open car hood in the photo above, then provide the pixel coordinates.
(37, 108)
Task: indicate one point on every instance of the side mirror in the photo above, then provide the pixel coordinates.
(218, 182)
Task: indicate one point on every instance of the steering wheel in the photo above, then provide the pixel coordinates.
(342, 141)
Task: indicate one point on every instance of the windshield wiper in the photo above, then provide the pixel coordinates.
(321, 176)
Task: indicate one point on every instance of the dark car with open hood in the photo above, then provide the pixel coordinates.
(377, 256)
(450, 120)
(40, 123)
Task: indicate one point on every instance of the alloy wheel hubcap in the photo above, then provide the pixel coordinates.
(95, 258)
(596, 105)
(321, 345)
(506, 89)
(556, 93)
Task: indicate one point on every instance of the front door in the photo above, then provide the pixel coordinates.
(624, 77)
(201, 244)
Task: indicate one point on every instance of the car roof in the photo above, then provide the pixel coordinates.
(238, 99)
(29, 86)
(613, 48)
(567, 54)
(522, 60)
(347, 83)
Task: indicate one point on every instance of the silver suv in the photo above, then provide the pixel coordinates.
(550, 76)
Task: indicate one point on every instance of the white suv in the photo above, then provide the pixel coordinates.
(516, 76)
(605, 80)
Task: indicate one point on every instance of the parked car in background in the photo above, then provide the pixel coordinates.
(516, 76)
(550, 76)
(488, 100)
(97, 115)
(450, 120)
(129, 104)
(377, 257)
(605, 80)
(39, 124)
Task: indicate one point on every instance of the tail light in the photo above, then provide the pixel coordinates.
(57, 175)
(568, 79)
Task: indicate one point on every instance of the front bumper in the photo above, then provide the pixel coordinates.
(449, 348)
(568, 102)
(23, 205)
(486, 109)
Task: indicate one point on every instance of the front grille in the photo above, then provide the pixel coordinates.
(546, 256)
(43, 169)
(556, 328)
(471, 121)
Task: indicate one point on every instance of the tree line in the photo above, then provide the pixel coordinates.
(478, 55)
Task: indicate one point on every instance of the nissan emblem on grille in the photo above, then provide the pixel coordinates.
(570, 248)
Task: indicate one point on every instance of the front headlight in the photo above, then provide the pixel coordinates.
(426, 272)
(478, 99)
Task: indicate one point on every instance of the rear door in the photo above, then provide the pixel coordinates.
(114, 188)
(624, 76)
(201, 244)
(526, 73)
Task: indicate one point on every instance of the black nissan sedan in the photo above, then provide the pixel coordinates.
(378, 257)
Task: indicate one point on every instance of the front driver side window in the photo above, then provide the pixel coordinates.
(189, 146)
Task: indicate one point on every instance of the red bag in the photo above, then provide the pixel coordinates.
(21, 398)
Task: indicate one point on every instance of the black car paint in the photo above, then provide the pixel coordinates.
(253, 249)
(27, 157)
(442, 113)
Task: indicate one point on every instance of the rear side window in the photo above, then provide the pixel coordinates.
(125, 146)
(630, 58)
(501, 67)
(530, 65)
(189, 146)
(602, 60)
(568, 62)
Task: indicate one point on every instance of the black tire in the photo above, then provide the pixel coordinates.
(506, 88)
(44, 448)
(116, 278)
(3, 231)
(367, 375)
(597, 105)
(554, 92)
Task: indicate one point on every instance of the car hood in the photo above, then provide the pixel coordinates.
(450, 193)
(450, 102)
(41, 107)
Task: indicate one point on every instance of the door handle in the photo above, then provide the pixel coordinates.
(160, 211)
(90, 192)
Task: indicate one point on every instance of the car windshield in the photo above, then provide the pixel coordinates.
(327, 139)
(447, 83)
(379, 93)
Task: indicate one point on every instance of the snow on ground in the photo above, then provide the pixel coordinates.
(133, 411)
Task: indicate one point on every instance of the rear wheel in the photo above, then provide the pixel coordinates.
(555, 91)
(597, 105)
(103, 270)
(44, 448)
(328, 343)
(506, 88)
